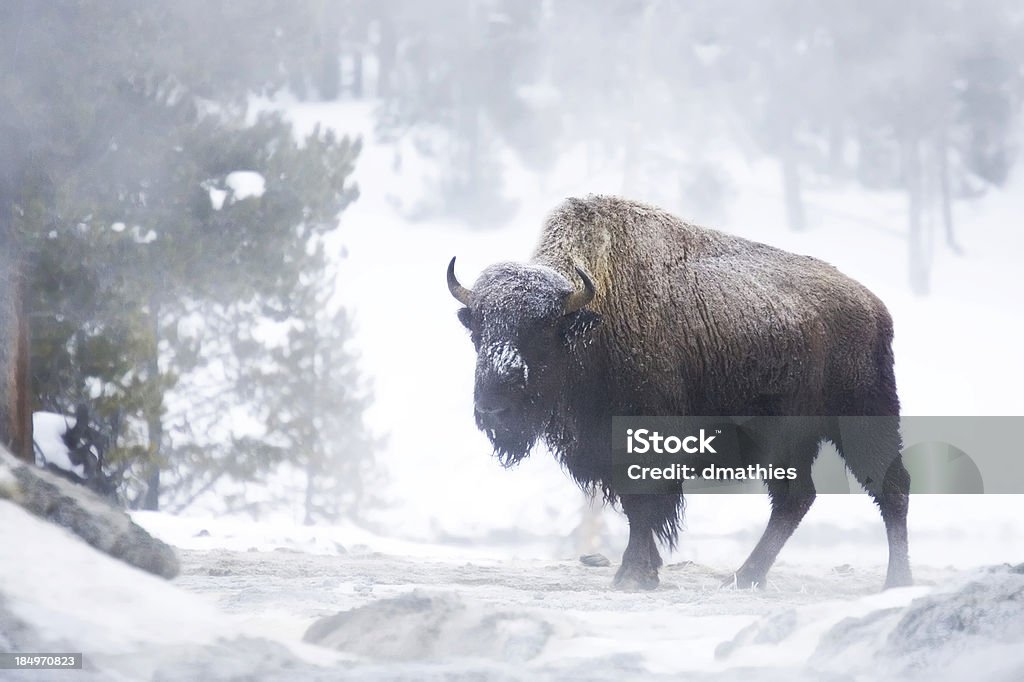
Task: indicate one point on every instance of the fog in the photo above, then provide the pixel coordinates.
(224, 229)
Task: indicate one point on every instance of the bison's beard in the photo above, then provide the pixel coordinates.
(511, 453)
(511, 443)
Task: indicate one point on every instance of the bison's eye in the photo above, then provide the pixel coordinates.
(465, 317)
(579, 324)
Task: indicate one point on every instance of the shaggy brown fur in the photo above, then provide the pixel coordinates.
(692, 322)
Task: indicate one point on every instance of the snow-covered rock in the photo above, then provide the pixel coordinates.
(422, 625)
(974, 630)
(79, 510)
(971, 629)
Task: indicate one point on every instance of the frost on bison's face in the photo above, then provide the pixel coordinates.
(524, 321)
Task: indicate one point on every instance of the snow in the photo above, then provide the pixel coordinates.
(217, 198)
(54, 592)
(240, 185)
(426, 612)
(505, 359)
(241, 535)
(72, 595)
(431, 611)
(245, 184)
(48, 429)
(141, 237)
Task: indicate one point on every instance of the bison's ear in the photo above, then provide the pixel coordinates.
(465, 317)
(580, 323)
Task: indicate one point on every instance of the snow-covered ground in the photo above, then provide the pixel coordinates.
(387, 610)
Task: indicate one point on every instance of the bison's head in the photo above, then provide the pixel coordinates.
(525, 321)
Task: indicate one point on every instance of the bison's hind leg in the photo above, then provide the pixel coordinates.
(648, 515)
(893, 502)
(871, 448)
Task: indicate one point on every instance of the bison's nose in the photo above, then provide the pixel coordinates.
(490, 407)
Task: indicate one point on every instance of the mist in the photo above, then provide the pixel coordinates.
(224, 229)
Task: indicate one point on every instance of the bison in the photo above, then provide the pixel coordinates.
(626, 310)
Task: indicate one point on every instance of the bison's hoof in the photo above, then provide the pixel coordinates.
(635, 579)
(898, 580)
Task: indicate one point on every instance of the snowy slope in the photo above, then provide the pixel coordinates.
(58, 594)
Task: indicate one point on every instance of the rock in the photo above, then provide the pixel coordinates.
(599, 560)
(989, 608)
(974, 630)
(769, 630)
(432, 626)
(89, 516)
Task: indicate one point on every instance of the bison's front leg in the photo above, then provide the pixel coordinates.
(641, 561)
(790, 502)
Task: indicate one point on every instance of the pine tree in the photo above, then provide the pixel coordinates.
(314, 401)
(123, 123)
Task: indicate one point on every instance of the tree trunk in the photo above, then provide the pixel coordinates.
(836, 142)
(154, 420)
(329, 82)
(312, 445)
(15, 411)
(151, 500)
(945, 195)
(387, 54)
(310, 483)
(10, 433)
(357, 73)
(23, 441)
(917, 251)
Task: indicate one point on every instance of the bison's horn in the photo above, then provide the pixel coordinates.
(578, 299)
(461, 293)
